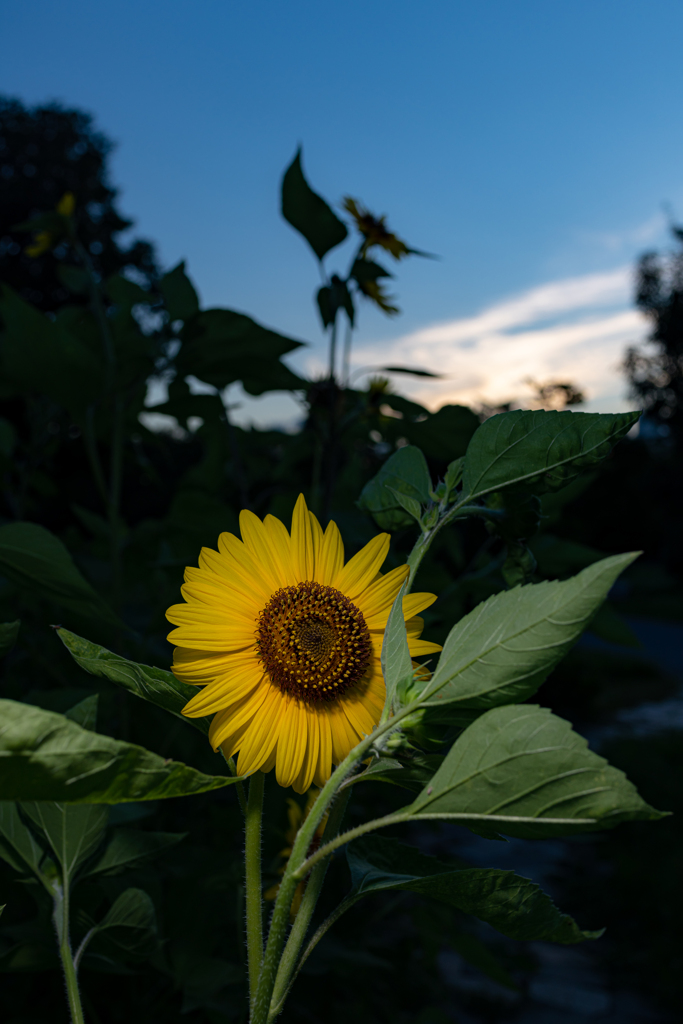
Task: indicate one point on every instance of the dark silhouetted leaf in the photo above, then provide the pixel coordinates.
(130, 846)
(308, 212)
(180, 297)
(9, 631)
(512, 905)
(32, 557)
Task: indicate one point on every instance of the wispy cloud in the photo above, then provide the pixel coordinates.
(574, 329)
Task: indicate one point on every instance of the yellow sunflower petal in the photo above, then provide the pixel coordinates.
(344, 736)
(302, 541)
(376, 600)
(257, 748)
(317, 538)
(304, 779)
(419, 647)
(198, 668)
(361, 570)
(273, 561)
(223, 693)
(219, 564)
(323, 768)
(227, 724)
(330, 560)
(415, 603)
(291, 744)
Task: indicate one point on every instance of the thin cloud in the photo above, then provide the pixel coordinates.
(574, 329)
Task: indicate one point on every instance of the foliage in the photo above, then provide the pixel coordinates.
(101, 514)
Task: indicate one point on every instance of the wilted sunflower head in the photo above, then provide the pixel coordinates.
(285, 640)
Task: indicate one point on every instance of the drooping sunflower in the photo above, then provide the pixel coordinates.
(285, 640)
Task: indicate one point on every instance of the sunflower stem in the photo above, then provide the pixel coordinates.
(279, 1002)
(302, 920)
(291, 877)
(253, 887)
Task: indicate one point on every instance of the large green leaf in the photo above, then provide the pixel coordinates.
(397, 666)
(511, 904)
(180, 298)
(521, 770)
(9, 632)
(132, 846)
(503, 650)
(73, 831)
(153, 684)
(540, 449)
(129, 927)
(32, 557)
(405, 472)
(221, 346)
(18, 845)
(37, 355)
(44, 756)
(308, 212)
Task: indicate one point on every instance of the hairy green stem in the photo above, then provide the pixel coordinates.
(61, 921)
(307, 907)
(253, 887)
(291, 877)
(400, 818)
(278, 1003)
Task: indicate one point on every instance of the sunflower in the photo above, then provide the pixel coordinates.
(286, 640)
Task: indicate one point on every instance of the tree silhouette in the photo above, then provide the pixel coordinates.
(655, 371)
(45, 152)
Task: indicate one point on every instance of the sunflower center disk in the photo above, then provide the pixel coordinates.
(313, 642)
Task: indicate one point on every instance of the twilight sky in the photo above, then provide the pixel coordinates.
(531, 144)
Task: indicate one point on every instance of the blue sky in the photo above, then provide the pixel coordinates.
(530, 143)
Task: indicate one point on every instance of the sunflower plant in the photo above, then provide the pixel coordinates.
(311, 671)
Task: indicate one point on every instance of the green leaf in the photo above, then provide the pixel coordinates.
(8, 438)
(503, 650)
(74, 278)
(397, 666)
(31, 556)
(44, 756)
(531, 776)
(130, 846)
(37, 355)
(445, 434)
(73, 831)
(9, 631)
(612, 628)
(179, 294)
(130, 925)
(411, 506)
(18, 846)
(405, 775)
(405, 471)
(85, 712)
(221, 346)
(544, 450)
(126, 294)
(519, 565)
(511, 904)
(155, 685)
(454, 474)
(308, 212)
(410, 371)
